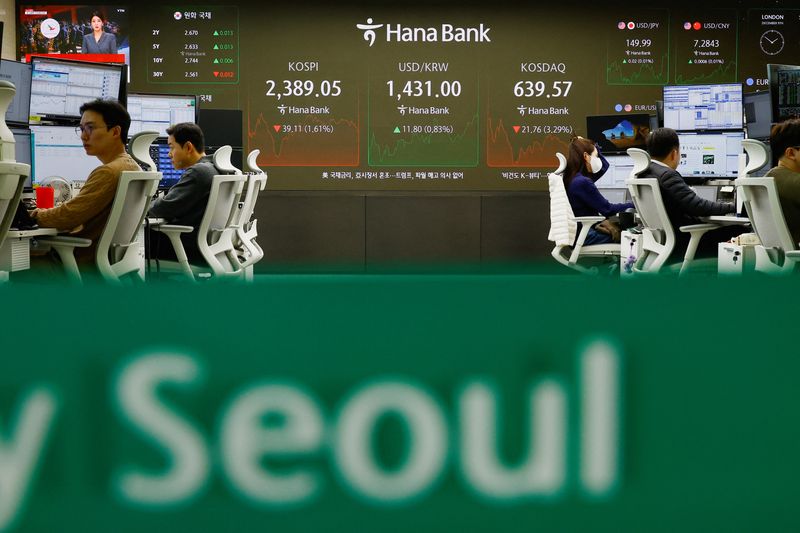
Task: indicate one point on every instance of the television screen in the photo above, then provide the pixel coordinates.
(59, 87)
(156, 112)
(703, 107)
(616, 133)
(784, 89)
(20, 75)
(67, 29)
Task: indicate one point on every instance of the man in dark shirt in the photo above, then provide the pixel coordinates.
(785, 143)
(682, 204)
(185, 202)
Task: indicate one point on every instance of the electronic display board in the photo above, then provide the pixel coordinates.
(434, 96)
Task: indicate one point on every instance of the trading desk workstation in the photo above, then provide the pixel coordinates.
(718, 124)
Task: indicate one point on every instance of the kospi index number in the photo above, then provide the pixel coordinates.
(197, 46)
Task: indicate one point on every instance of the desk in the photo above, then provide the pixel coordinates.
(727, 220)
(15, 253)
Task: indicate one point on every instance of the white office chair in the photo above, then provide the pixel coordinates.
(777, 254)
(118, 253)
(139, 149)
(563, 227)
(215, 234)
(658, 236)
(12, 174)
(222, 160)
(248, 250)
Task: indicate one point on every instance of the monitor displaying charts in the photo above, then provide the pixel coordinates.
(156, 112)
(784, 88)
(58, 151)
(59, 87)
(703, 107)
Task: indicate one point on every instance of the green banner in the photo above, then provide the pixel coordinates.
(401, 403)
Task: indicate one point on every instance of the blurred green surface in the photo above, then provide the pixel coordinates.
(709, 434)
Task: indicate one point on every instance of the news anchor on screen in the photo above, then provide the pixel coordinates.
(99, 41)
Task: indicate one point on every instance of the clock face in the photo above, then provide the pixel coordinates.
(771, 42)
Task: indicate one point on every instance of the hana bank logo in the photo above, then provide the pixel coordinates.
(369, 30)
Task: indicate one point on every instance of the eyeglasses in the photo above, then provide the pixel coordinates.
(88, 129)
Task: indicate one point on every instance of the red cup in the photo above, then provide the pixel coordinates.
(45, 197)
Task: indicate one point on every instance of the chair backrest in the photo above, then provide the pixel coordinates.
(139, 149)
(760, 197)
(658, 235)
(222, 160)
(756, 156)
(216, 231)
(256, 182)
(115, 256)
(562, 219)
(12, 180)
(641, 160)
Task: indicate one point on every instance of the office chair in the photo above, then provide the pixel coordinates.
(563, 226)
(248, 250)
(139, 149)
(658, 235)
(118, 252)
(215, 234)
(777, 254)
(12, 174)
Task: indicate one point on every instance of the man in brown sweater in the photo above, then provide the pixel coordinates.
(785, 143)
(104, 132)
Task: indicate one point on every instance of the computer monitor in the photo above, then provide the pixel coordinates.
(710, 155)
(784, 89)
(157, 112)
(703, 107)
(159, 152)
(617, 133)
(758, 114)
(619, 170)
(59, 87)
(20, 75)
(22, 148)
(58, 151)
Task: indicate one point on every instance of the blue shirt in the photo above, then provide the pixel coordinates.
(586, 200)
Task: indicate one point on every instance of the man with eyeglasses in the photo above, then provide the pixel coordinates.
(785, 143)
(104, 132)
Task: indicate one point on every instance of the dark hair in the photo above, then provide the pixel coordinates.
(784, 135)
(98, 15)
(188, 132)
(114, 114)
(575, 161)
(661, 142)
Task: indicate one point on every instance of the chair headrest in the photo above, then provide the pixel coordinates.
(562, 163)
(758, 155)
(641, 160)
(251, 165)
(139, 148)
(222, 160)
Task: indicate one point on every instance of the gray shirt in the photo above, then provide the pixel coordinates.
(185, 202)
(106, 45)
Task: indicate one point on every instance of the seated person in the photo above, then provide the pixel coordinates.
(585, 165)
(104, 132)
(682, 204)
(185, 202)
(785, 143)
